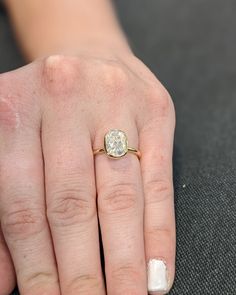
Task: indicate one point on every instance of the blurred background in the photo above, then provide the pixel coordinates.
(191, 46)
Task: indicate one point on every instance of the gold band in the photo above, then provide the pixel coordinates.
(130, 150)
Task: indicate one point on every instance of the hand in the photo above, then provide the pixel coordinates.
(53, 113)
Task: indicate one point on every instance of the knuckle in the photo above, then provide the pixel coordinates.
(22, 223)
(16, 114)
(60, 74)
(160, 101)
(115, 78)
(162, 238)
(18, 107)
(10, 104)
(8, 113)
(118, 197)
(70, 206)
(161, 235)
(125, 274)
(158, 190)
(84, 284)
(39, 279)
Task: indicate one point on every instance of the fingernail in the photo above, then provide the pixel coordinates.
(157, 276)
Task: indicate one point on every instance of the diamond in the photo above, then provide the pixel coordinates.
(116, 143)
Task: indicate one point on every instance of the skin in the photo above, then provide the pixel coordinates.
(53, 192)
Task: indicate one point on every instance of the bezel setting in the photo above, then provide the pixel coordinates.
(116, 143)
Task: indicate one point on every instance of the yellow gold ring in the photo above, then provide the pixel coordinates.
(116, 145)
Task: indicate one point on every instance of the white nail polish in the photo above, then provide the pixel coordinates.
(157, 276)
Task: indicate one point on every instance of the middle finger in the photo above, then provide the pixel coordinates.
(71, 202)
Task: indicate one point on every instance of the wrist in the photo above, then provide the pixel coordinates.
(100, 44)
(50, 28)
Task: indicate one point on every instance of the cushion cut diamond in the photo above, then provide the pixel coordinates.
(116, 143)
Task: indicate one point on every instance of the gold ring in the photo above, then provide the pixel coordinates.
(116, 145)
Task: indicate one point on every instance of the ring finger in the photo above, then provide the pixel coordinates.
(120, 207)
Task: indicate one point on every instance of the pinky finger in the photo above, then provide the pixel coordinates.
(7, 273)
(156, 143)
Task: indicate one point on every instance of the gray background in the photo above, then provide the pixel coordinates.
(191, 47)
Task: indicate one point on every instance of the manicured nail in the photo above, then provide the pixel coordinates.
(157, 276)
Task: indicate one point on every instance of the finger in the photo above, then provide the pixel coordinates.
(7, 273)
(156, 142)
(71, 202)
(120, 206)
(22, 211)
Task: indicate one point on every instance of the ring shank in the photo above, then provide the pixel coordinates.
(130, 150)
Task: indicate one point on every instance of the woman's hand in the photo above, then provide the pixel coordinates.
(53, 113)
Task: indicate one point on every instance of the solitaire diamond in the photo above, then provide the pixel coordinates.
(116, 143)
